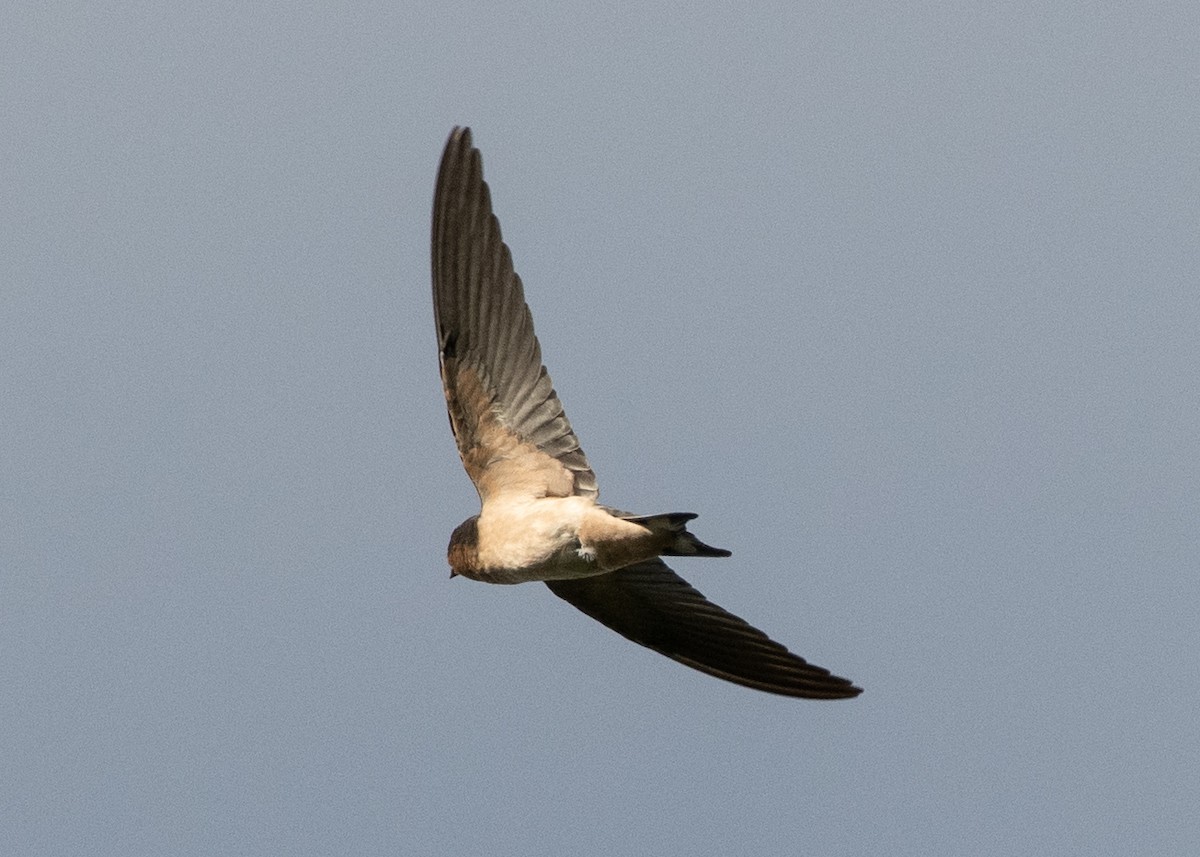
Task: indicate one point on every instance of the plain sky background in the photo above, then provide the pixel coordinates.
(903, 299)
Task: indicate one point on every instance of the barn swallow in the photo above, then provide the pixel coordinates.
(540, 519)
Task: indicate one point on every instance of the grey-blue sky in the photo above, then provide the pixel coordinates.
(901, 300)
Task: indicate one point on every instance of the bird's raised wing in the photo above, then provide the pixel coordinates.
(512, 434)
(653, 606)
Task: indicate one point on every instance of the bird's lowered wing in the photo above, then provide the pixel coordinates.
(651, 605)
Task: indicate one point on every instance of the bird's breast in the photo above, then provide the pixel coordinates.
(534, 539)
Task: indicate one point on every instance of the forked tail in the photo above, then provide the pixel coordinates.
(680, 541)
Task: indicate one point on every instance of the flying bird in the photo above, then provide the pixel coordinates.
(540, 519)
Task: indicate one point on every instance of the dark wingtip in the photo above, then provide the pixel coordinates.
(848, 692)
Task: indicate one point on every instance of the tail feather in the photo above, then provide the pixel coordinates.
(682, 543)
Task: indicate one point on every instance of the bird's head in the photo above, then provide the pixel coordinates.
(463, 552)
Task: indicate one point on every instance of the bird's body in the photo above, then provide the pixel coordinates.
(540, 519)
(564, 538)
